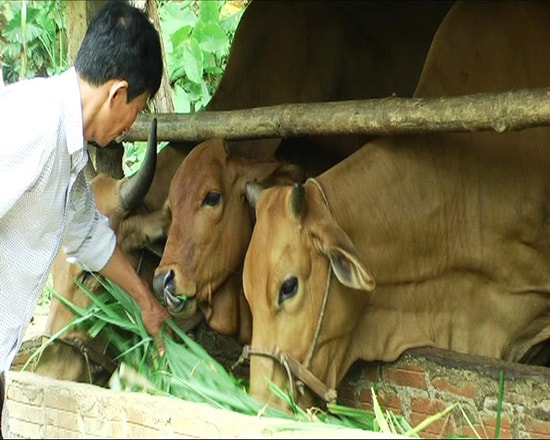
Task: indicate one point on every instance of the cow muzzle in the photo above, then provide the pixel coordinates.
(165, 290)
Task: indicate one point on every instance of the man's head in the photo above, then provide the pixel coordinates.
(120, 59)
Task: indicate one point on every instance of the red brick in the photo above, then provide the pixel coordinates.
(505, 430)
(467, 390)
(537, 428)
(410, 377)
(365, 398)
(467, 431)
(371, 372)
(346, 393)
(427, 406)
(537, 435)
(347, 400)
(421, 408)
(390, 401)
(443, 427)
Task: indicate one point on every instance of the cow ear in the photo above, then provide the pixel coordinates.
(344, 260)
(350, 271)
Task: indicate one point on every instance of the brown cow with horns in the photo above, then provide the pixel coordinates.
(438, 240)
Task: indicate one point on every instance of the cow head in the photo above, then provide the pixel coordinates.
(209, 229)
(305, 286)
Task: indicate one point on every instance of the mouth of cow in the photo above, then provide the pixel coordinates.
(164, 287)
(176, 303)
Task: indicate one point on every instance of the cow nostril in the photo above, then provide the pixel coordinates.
(161, 281)
(169, 277)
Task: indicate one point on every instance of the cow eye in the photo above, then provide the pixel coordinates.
(212, 198)
(288, 289)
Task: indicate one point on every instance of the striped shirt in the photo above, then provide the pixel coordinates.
(45, 199)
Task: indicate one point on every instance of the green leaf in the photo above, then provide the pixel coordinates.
(229, 23)
(380, 418)
(182, 103)
(177, 74)
(209, 11)
(179, 38)
(431, 419)
(12, 31)
(192, 61)
(33, 31)
(184, 30)
(212, 38)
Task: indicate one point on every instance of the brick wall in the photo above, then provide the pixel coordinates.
(426, 381)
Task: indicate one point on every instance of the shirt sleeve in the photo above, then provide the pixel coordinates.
(89, 240)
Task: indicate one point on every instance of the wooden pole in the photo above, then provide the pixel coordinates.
(512, 110)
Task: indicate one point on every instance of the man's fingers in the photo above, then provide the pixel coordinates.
(165, 331)
(159, 341)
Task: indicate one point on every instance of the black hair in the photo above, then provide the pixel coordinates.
(121, 43)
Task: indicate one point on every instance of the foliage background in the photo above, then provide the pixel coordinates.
(197, 38)
(32, 38)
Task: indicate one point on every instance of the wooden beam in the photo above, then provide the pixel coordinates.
(512, 110)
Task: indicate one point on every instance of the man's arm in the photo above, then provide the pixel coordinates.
(119, 270)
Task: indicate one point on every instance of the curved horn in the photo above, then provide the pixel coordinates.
(298, 201)
(133, 189)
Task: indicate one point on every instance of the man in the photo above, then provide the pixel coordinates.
(45, 201)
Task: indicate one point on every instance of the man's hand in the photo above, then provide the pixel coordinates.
(119, 270)
(153, 319)
(154, 316)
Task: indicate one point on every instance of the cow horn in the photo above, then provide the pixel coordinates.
(298, 200)
(252, 191)
(133, 189)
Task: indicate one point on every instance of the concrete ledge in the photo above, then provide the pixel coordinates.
(40, 407)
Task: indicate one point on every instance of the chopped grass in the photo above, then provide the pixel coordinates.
(187, 371)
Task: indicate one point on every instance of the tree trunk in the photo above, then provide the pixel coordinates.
(78, 16)
(163, 101)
